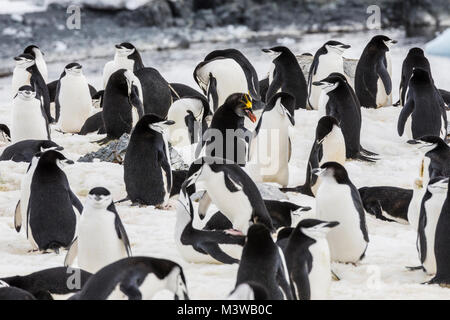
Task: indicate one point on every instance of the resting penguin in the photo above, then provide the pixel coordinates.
(339, 101)
(189, 114)
(135, 278)
(328, 59)
(5, 133)
(337, 199)
(224, 72)
(308, 259)
(441, 245)
(28, 117)
(282, 213)
(203, 246)
(101, 237)
(435, 161)
(424, 112)
(23, 151)
(263, 262)
(39, 58)
(73, 101)
(387, 203)
(329, 145)
(286, 76)
(430, 211)
(26, 73)
(231, 190)
(270, 147)
(122, 96)
(414, 59)
(126, 57)
(227, 137)
(147, 166)
(93, 124)
(373, 84)
(156, 93)
(49, 283)
(53, 209)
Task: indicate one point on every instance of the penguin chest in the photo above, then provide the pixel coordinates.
(322, 105)
(28, 121)
(333, 147)
(414, 207)
(320, 274)
(75, 102)
(21, 77)
(25, 188)
(327, 64)
(235, 205)
(382, 97)
(433, 208)
(334, 203)
(98, 242)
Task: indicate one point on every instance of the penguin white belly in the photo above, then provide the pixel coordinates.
(27, 121)
(320, 275)
(382, 98)
(334, 203)
(408, 128)
(322, 106)
(270, 160)
(443, 131)
(426, 172)
(21, 77)
(333, 147)
(433, 209)
(328, 63)
(114, 65)
(234, 205)
(98, 242)
(76, 103)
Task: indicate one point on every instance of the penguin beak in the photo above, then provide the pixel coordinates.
(345, 46)
(318, 83)
(17, 58)
(394, 41)
(97, 197)
(249, 113)
(331, 224)
(248, 108)
(299, 210)
(118, 46)
(266, 50)
(318, 171)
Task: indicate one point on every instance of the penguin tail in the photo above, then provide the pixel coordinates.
(367, 152)
(437, 280)
(415, 268)
(55, 246)
(361, 157)
(304, 189)
(123, 200)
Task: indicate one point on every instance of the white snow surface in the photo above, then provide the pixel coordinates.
(381, 275)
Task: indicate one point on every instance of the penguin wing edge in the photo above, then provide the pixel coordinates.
(18, 217)
(72, 253)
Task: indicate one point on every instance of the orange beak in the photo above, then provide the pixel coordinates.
(250, 115)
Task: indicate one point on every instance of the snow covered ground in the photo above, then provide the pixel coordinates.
(381, 275)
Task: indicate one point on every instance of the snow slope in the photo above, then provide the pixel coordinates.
(381, 275)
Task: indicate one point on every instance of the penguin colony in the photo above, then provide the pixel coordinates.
(281, 251)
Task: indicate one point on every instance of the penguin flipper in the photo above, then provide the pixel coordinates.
(306, 190)
(130, 289)
(136, 102)
(214, 251)
(18, 217)
(165, 165)
(189, 120)
(204, 203)
(385, 78)
(57, 105)
(120, 229)
(301, 288)
(76, 202)
(232, 185)
(72, 253)
(404, 114)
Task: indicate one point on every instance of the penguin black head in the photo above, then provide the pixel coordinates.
(336, 46)
(5, 132)
(26, 93)
(99, 197)
(277, 51)
(52, 157)
(429, 143)
(420, 75)
(381, 42)
(287, 104)
(324, 127)
(125, 49)
(152, 122)
(315, 228)
(438, 185)
(24, 60)
(241, 103)
(31, 49)
(73, 68)
(258, 234)
(332, 170)
(416, 52)
(331, 82)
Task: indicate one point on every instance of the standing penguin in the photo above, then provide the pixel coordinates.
(329, 145)
(227, 137)
(27, 73)
(39, 58)
(424, 112)
(263, 262)
(270, 148)
(414, 59)
(147, 166)
(231, 190)
(339, 101)
(135, 278)
(126, 57)
(101, 237)
(53, 209)
(121, 97)
(224, 72)
(29, 120)
(373, 84)
(73, 99)
(286, 76)
(328, 59)
(441, 245)
(337, 199)
(430, 211)
(308, 259)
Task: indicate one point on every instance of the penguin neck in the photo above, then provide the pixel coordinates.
(301, 240)
(227, 119)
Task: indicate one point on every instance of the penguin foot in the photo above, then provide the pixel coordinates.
(334, 276)
(396, 104)
(167, 207)
(103, 141)
(361, 157)
(233, 232)
(415, 268)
